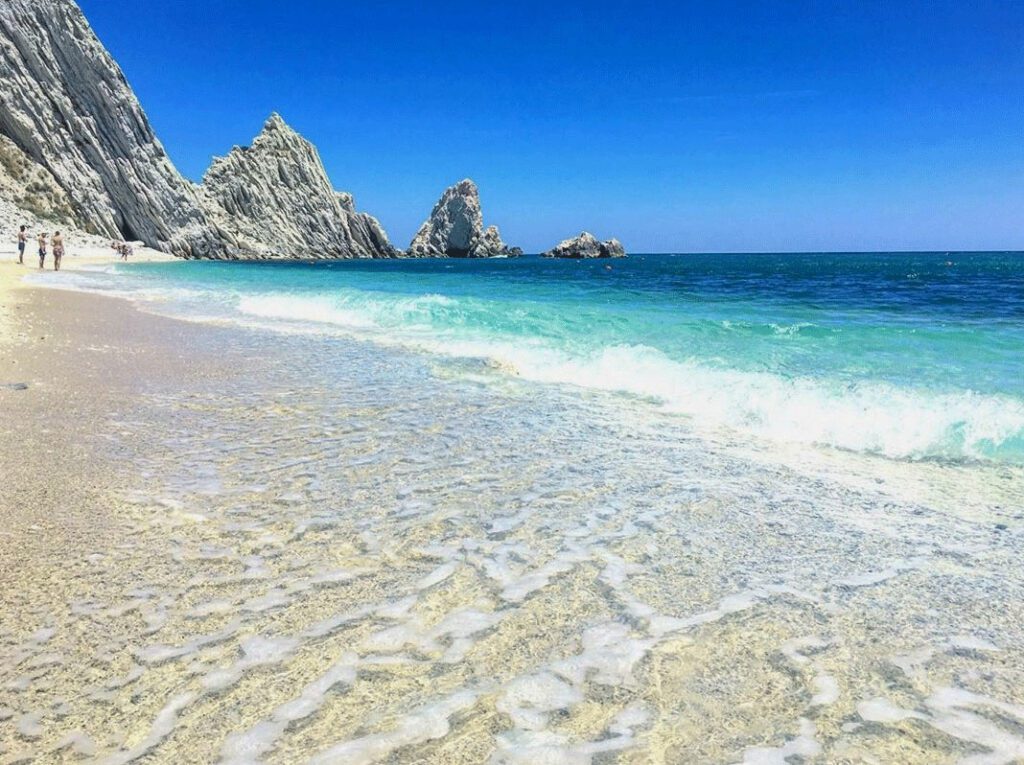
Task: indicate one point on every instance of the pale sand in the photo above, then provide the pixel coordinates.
(82, 358)
(81, 250)
(87, 361)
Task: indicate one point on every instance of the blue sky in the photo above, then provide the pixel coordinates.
(728, 126)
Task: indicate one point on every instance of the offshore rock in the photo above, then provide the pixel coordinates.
(274, 199)
(65, 104)
(455, 229)
(586, 245)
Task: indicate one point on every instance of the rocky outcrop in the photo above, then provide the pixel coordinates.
(366, 230)
(32, 188)
(76, 147)
(586, 245)
(455, 229)
(66, 105)
(274, 199)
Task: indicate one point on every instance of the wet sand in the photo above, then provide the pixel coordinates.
(212, 551)
(85, 361)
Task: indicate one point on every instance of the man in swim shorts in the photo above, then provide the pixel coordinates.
(22, 240)
(42, 248)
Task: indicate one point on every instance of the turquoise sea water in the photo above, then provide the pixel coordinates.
(905, 355)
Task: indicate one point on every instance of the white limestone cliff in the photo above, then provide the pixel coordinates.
(65, 104)
(77, 148)
(32, 188)
(274, 199)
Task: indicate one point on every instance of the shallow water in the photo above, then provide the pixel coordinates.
(357, 553)
(908, 355)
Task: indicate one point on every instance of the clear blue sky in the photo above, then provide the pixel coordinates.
(703, 126)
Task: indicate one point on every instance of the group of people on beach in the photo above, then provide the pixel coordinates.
(122, 248)
(57, 240)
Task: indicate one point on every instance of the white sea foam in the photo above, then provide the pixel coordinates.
(874, 417)
(803, 745)
(425, 724)
(955, 712)
(162, 727)
(249, 746)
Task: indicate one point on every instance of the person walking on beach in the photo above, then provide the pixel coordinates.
(42, 248)
(122, 248)
(22, 241)
(58, 250)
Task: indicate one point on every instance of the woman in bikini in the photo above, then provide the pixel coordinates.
(58, 250)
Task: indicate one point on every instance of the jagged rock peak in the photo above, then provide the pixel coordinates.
(276, 129)
(66, 105)
(586, 245)
(275, 200)
(276, 122)
(455, 228)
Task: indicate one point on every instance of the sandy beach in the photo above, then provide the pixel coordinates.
(66, 360)
(210, 551)
(82, 363)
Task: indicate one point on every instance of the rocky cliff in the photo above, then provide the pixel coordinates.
(66, 105)
(586, 245)
(76, 148)
(32, 188)
(455, 228)
(274, 199)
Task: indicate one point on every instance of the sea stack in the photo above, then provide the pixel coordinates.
(455, 229)
(274, 199)
(75, 116)
(586, 245)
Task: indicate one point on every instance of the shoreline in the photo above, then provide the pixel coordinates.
(84, 365)
(974, 489)
(205, 526)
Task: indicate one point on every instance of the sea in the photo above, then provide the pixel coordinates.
(721, 508)
(914, 356)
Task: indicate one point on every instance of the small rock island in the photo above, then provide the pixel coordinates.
(455, 229)
(586, 245)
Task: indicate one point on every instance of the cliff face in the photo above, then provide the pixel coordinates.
(31, 187)
(455, 228)
(66, 105)
(366, 230)
(76, 147)
(274, 199)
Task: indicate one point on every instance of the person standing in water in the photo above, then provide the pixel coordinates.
(58, 250)
(42, 248)
(22, 241)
